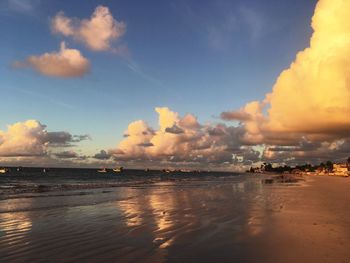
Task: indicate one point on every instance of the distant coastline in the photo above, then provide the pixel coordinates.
(323, 169)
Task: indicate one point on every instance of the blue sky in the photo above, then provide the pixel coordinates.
(200, 57)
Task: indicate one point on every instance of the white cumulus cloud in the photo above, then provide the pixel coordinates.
(307, 113)
(66, 63)
(96, 33)
(30, 138)
(183, 140)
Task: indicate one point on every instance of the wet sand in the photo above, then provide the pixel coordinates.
(227, 219)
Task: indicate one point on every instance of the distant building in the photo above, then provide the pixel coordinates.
(340, 170)
(321, 171)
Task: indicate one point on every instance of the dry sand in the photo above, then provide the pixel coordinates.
(235, 219)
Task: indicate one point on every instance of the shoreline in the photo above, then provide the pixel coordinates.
(225, 219)
(13, 189)
(13, 185)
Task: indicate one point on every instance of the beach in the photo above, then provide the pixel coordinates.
(211, 219)
(175, 131)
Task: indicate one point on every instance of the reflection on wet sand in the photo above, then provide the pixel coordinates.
(257, 213)
(154, 209)
(190, 216)
(222, 219)
(132, 211)
(14, 233)
(15, 222)
(163, 207)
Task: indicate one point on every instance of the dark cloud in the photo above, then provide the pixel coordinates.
(63, 138)
(102, 155)
(147, 144)
(66, 155)
(235, 116)
(174, 130)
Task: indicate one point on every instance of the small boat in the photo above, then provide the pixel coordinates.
(118, 169)
(103, 170)
(3, 170)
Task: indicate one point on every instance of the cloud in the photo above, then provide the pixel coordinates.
(254, 21)
(174, 129)
(66, 63)
(30, 138)
(314, 153)
(183, 140)
(138, 134)
(66, 155)
(96, 33)
(146, 144)
(167, 118)
(62, 24)
(102, 155)
(306, 116)
(23, 139)
(24, 7)
(225, 21)
(312, 96)
(64, 139)
(235, 116)
(251, 116)
(310, 99)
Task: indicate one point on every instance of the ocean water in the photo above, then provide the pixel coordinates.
(79, 215)
(68, 181)
(70, 215)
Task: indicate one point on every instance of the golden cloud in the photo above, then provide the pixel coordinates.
(96, 33)
(183, 139)
(312, 97)
(66, 63)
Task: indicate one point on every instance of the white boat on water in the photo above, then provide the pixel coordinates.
(3, 170)
(103, 170)
(118, 169)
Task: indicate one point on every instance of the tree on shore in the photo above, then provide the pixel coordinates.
(329, 166)
(268, 167)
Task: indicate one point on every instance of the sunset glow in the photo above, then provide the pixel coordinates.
(175, 131)
(303, 116)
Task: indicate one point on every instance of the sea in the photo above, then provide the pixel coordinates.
(18, 182)
(81, 215)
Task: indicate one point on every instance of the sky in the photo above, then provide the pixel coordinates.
(218, 84)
